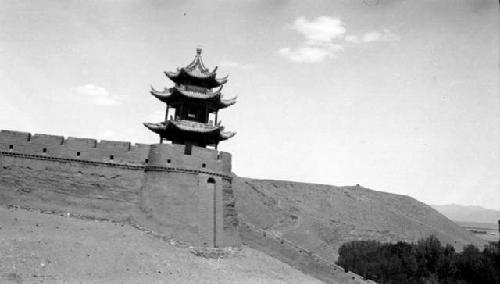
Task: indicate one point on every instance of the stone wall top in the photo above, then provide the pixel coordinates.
(120, 152)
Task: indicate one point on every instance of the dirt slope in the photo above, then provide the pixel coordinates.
(320, 218)
(41, 248)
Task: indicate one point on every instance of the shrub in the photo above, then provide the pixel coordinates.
(426, 261)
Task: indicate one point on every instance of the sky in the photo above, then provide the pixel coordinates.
(397, 96)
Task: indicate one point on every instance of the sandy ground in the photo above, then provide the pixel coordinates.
(41, 248)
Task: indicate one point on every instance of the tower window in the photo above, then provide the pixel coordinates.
(78, 154)
(168, 161)
(187, 149)
(111, 157)
(44, 150)
(11, 147)
(146, 161)
(203, 165)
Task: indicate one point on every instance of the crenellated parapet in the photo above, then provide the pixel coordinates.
(174, 155)
(160, 156)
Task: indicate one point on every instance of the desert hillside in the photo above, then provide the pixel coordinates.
(320, 218)
(41, 248)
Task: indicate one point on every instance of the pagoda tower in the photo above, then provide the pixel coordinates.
(192, 107)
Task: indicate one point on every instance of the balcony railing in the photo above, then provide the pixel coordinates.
(195, 89)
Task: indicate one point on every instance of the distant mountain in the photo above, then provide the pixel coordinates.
(467, 213)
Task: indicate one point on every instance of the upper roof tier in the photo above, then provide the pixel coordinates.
(196, 74)
(177, 94)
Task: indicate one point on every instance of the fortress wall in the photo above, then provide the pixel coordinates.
(184, 205)
(44, 139)
(159, 184)
(210, 219)
(230, 215)
(115, 151)
(203, 159)
(138, 152)
(73, 148)
(9, 139)
(170, 202)
(226, 161)
(85, 189)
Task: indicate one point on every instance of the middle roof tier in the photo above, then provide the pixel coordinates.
(179, 94)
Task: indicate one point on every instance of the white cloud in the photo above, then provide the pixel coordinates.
(385, 35)
(97, 95)
(381, 36)
(234, 64)
(321, 30)
(319, 35)
(323, 37)
(310, 54)
(352, 38)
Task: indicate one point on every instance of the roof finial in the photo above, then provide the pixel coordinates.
(198, 50)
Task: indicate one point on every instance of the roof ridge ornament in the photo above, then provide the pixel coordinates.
(197, 63)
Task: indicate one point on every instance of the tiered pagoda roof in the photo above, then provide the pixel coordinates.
(197, 73)
(207, 133)
(193, 100)
(180, 93)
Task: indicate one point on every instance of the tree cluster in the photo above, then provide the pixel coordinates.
(426, 261)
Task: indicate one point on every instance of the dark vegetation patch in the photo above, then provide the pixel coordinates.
(426, 261)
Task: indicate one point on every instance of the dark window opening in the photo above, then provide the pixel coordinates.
(11, 147)
(211, 180)
(78, 154)
(168, 161)
(146, 161)
(187, 149)
(203, 165)
(111, 157)
(44, 150)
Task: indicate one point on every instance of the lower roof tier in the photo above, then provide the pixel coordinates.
(185, 130)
